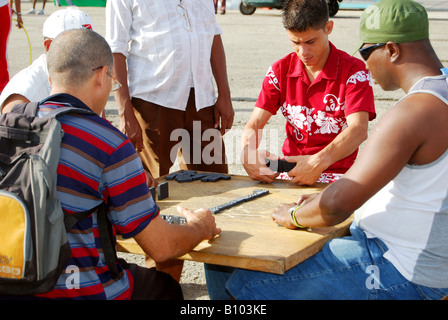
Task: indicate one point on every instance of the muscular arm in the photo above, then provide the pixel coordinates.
(402, 136)
(309, 168)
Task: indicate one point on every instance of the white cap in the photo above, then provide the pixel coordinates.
(66, 19)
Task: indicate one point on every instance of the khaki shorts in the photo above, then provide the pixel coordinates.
(161, 146)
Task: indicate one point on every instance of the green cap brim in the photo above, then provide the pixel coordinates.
(359, 47)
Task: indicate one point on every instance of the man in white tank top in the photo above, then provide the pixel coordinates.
(398, 187)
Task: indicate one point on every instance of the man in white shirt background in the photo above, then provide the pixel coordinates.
(31, 83)
(168, 52)
(168, 55)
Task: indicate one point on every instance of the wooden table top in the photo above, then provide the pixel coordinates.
(249, 238)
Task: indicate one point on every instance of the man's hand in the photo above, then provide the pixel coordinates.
(202, 220)
(254, 162)
(224, 114)
(282, 216)
(281, 213)
(150, 181)
(307, 170)
(131, 128)
(19, 21)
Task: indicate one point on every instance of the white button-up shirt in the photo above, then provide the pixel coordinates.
(31, 82)
(167, 46)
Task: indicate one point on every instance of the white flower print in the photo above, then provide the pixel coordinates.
(299, 117)
(326, 124)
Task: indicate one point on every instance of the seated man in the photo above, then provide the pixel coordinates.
(324, 94)
(398, 247)
(99, 164)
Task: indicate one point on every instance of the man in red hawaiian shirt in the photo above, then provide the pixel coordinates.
(325, 95)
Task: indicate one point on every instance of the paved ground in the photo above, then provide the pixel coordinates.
(252, 43)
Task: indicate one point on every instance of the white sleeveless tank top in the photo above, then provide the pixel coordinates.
(410, 214)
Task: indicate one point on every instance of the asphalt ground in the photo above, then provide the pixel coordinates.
(252, 43)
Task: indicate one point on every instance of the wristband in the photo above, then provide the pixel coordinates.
(292, 212)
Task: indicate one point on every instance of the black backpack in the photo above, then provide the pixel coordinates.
(33, 227)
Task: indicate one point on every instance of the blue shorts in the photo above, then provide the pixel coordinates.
(350, 268)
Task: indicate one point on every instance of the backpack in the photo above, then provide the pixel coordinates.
(33, 227)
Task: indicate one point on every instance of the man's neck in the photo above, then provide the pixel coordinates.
(314, 70)
(76, 93)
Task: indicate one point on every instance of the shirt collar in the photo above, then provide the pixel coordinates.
(64, 99)
(329, 71)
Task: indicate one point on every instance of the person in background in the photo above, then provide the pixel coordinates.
(5, 28)
(31, 83)
(41, 12)
(168, 67)
(222, 10)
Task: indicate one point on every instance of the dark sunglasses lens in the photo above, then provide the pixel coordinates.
(365, 52)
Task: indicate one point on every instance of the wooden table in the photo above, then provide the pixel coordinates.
(249, 238)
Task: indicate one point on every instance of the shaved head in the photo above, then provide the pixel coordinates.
(74, 54)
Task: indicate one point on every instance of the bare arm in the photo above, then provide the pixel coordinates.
(224, 112)
(11, 101)
(402, 136)
(252, 158)
(19, 13)
(163, 241)
(128, 122)
(310, 167)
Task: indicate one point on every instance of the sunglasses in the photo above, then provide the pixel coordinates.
(367, 51)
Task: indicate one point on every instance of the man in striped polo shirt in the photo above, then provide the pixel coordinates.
(98, 163)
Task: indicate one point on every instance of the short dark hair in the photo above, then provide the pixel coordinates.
(302, 15)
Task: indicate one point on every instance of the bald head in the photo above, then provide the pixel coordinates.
(73, 55)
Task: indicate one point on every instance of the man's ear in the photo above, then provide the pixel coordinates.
(101, 77)
(329, 27)
(47, 43)
(393, 50)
